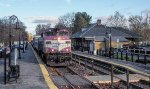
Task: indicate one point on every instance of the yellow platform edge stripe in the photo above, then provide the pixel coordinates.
(46, 76)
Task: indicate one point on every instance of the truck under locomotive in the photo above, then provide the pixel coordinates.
(55, 45)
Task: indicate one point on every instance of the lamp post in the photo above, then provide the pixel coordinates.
(105, 39)
(13, 18)
(23, 43)
(117, 44)
(110, 44)
(10, 24)
(94, 48)
(17, 25)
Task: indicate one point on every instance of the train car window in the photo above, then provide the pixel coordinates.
(48, 42)
(68, 42)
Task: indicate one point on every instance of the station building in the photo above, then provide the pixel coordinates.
(98, 37)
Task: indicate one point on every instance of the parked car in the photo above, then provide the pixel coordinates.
(15, 46)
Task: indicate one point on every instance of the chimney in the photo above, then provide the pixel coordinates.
(83, 29)
(98, 22)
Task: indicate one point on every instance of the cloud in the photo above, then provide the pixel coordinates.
(68, 1)
(42, 20)
(146, 11)
(4, 4)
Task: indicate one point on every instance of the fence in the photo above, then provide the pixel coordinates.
(134, 55)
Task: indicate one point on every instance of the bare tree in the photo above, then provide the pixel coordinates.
(116, 20)
(66, 20)
(139, 25)
(40, 28)
(60, 25)
(6, 27)
(135, 23)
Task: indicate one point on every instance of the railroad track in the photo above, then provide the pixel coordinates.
(100, 68)
(55, 72)
(70, 80)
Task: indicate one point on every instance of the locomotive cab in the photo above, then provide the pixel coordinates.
(57, 45)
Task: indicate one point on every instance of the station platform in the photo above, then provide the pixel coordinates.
(132, 66)
(32, 75)
(107, 78)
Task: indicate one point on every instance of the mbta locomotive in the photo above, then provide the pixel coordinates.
(55, 45)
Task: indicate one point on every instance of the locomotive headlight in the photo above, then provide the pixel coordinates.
(52, 50)
(67, 50)
(59, 38)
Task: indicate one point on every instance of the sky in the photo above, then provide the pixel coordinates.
(33, 12)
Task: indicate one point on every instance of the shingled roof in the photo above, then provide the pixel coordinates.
(100, 32)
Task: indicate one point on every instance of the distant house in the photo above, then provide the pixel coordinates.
(30, 37)
(99, 35)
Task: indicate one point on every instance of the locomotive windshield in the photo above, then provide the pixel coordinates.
(63, 33)
(50, 33)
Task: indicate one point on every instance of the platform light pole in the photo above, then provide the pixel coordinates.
(94, 48)
(10, 27)
(110, 48)
(13, 18)
(23, 43)
(17, 27)
(109, 45)
(105, 39)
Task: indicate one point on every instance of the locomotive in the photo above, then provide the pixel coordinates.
(54, 45)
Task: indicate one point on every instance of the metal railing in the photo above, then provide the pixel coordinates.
(134, 55)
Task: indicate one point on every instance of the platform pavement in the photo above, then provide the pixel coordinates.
(31, 76)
